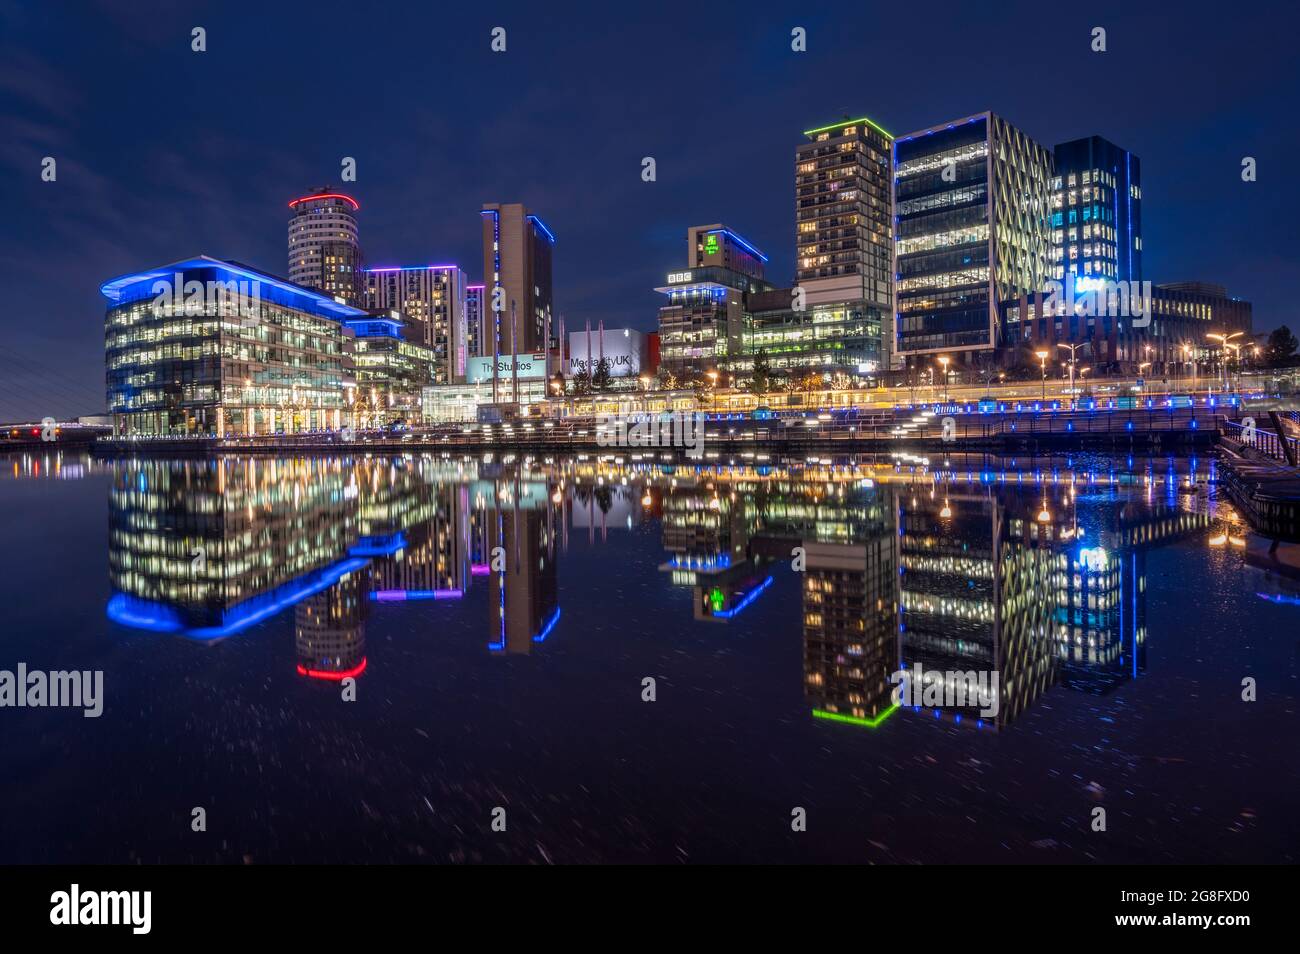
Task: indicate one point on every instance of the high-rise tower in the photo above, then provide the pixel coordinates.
(324, 250)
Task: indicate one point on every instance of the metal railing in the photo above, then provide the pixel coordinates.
(1265, 442)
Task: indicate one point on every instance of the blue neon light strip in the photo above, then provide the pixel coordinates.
(161, 618)
(542, 225)
(139, 285)
(379, 545)
(362, 326)
(546, 630)
(749, 598)
(1128, 176)
(739, 241)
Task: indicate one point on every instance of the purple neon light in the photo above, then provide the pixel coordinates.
(399, 596)
(413, 268)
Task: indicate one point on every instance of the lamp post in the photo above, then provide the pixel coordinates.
(1042, 360)
(1223, 351)
(1236, 356)
(1073, 348)
(943, 360)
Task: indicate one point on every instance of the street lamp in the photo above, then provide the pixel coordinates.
(943, 360)
(1236, 355)
(1073, 348)
(1223, 349)
(1042, 359)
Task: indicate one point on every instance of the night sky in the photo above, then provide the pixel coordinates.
(164, 153)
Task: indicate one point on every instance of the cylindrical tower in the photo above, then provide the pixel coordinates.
(324, 251)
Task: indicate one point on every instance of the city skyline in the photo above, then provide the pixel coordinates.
(112, 209)
(677, 434)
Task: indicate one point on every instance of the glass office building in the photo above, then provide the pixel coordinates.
(209, 348)
(971, 202)
(390, 371)
(1096, 211)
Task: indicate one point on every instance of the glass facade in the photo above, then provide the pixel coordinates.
(390, 373)
(842, 338)
(1096, 216)
(971, 204)
(205, 348)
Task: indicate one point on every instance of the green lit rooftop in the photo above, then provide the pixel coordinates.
(850, 122)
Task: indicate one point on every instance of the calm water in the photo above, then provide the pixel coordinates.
(499, 618)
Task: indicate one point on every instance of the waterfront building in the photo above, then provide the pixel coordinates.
(843, 202)
(389, 371)
(701, 326)
(324, 247)
(710, 246)
(432, 302)
(472, 399)
(971, 201)
(840, 341)
(517, 256)
(844, 259)
(1096, 212)
(1172, 341)
(210, 348)
(476, 329)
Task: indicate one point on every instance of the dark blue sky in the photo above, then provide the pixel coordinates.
(164, 153)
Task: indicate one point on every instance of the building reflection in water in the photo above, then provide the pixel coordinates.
(329, 629)
(1033, 570)
(523, 590)
(1034, 573)
(206, 549)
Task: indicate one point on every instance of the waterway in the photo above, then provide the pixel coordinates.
(643, 659)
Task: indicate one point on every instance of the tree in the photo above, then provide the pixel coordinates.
(600, 380)
(582, 381)
(667, 380)
(761, 382)
(1281, 345)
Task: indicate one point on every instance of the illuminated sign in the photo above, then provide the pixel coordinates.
(622, 348)
(676, 277)
(710, 245)
(530, 366)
